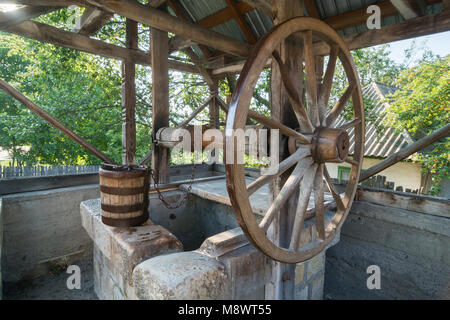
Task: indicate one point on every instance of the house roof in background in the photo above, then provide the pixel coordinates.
(378, 143)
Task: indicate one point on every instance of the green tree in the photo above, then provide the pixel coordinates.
(421, 106)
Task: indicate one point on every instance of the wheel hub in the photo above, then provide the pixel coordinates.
(330, 145)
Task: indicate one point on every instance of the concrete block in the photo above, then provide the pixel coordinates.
(245, 268)
(301, 293)
(126, 247)
(316, 265)
(118, 250)
(42, 226)
(186, 275)
(315, 288)
(300, 272)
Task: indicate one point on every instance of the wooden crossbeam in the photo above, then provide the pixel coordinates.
(406, 152)
(92, 20)
(59, 3)
(405, 9)
(48, 34)
(164, 21)
(9, 19)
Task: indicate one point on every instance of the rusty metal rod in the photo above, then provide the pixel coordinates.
(55, 123)
(409, 150)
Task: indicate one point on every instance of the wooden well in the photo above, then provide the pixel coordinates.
(124, 195)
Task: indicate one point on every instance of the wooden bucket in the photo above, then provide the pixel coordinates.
(124, 195)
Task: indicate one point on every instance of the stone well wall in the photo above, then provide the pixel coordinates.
(43, 228)
(143, 265)
(406, 236)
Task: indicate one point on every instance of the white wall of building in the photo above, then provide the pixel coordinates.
(405, 174)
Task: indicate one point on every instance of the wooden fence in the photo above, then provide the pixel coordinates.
(40, 171)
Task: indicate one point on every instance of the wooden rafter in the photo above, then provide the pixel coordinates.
(420, 26)
(92, 20)
(264, 6)
(164, 21)
(9, 19)
(59, 3)
(312, 9)
(241, 21)
(48, 34)
(180, 14)
(405, 9)
(224, 15)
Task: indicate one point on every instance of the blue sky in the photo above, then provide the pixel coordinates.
(439, 43)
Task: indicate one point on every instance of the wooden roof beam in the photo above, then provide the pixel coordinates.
(417, 27)
(222, 16)
(232, 4)
(264, 6)
(412, 28)
(92, 20)
(58, 3)
(48, 34)
(180, 14)
(164, 21)
(405, 9)
(11, 18)
(312, 9)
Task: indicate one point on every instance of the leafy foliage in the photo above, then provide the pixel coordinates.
(421, 106)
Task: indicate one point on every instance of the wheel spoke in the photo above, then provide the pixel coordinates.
(283, 166)
(272, 124)
(337, 198)
(319, 200)
(311, 81)
(294, 99)
(302, 205)
(325, 89)
(276, 125)
(339, 106)
(350, 124)
(287, 190)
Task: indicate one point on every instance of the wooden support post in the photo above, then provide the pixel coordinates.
(282, 282)
(159, 46)
(213, 106)
(129, 98)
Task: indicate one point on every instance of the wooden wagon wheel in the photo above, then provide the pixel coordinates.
(315, 143)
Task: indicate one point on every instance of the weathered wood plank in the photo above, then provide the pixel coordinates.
(405, 9)
(92, 20)
(129, 98)
(164, 21)
(15, 17)
(160, 87)
(413, 202)
(48, 34)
